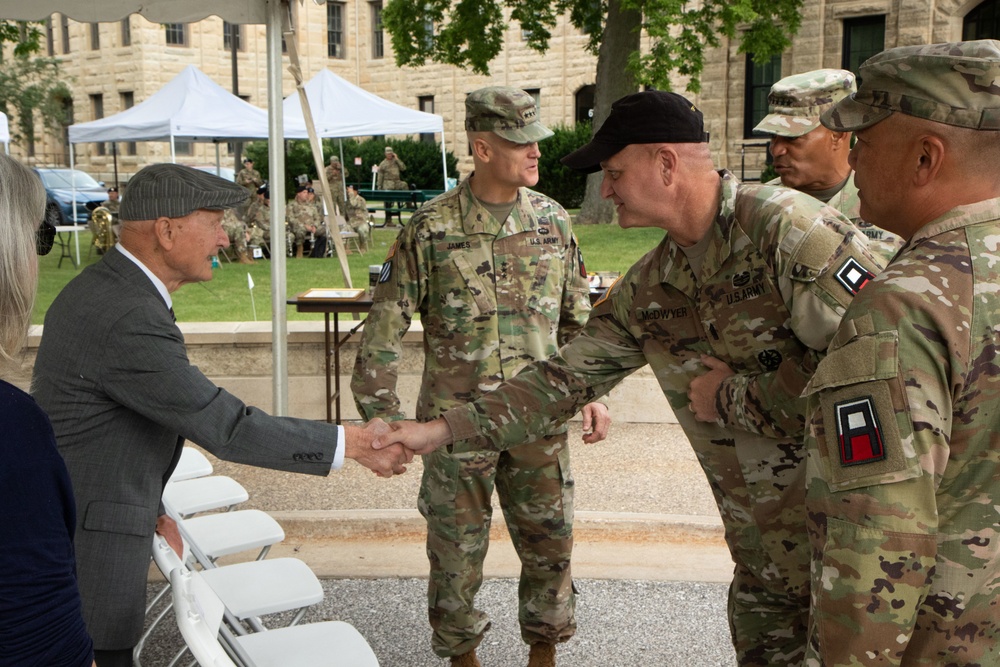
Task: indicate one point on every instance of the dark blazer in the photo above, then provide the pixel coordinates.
(113, 374)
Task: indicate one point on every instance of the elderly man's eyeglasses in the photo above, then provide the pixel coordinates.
(45, 237)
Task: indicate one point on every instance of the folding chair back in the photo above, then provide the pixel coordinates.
(199, 617)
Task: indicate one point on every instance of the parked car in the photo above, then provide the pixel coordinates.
(59, 187)
(227, 173)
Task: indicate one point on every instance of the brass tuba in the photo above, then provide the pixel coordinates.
(103, 226)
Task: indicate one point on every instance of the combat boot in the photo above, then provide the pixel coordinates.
(542, 655)
(244, 258)
(298, 251)
(465, 660)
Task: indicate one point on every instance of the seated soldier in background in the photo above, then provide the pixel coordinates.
(259, 219)
(357, 216)
(236, 230)
(300, 213)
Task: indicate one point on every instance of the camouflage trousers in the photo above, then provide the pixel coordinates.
(769, 628)
(535, 486)
(237, 233)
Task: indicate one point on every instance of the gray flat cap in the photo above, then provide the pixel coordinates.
(173, 191)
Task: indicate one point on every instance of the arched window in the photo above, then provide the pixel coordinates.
(983, 22)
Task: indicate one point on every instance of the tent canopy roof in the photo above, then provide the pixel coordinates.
(341, 109)
(190, 106)
(4, 129)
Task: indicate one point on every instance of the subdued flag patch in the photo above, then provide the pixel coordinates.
(859, 433)
(853, 276)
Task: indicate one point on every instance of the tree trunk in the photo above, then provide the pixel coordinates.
(621, 37)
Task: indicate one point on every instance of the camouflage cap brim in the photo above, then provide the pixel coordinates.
(528, 134)
(849, 115)
(784, 125)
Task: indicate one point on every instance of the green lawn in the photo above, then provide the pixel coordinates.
(227, 297)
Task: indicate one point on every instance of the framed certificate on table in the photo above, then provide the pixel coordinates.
(331, 294)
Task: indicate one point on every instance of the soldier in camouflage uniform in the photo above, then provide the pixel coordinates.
(812, 159)
(732, 311)
(389, 176)
(494, 271)
(259, 218)
(236, 230)
(112, 203)
(357, 216)
(335, 175)
(249, 177)
(301, 213)
(903, 455)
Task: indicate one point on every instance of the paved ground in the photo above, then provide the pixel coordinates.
(649, 558)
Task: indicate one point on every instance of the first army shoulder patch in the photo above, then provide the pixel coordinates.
(859, 434)
(853, 276)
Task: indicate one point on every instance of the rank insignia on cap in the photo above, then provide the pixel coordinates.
(853, 276)
(859, 434)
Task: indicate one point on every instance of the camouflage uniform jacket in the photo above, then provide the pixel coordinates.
(357, 207)
(903, 459)
(250, 179)
(767, 301)
(883, 244)
(112, 206)
(300, 214)
(259, 215)
(492, 296)
(389, 175)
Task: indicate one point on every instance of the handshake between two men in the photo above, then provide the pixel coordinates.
(385, 448)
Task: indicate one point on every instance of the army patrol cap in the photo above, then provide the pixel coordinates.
(952, 83)
(173, 191)
(650, 117)
(507, 112)
(796, 102)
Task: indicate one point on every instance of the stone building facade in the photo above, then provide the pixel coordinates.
(114, 65)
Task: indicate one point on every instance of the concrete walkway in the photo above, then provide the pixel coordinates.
(649, 558)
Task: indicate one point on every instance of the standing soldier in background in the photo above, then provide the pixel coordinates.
(335, 176)
(812, 159)
(300, 214)
(732, 310)
(249, 177)
(390, 170)
(357, 216)
(494, 271)
(903, 450)
(112, 203)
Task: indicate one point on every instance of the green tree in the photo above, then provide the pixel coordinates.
(558, 181)
(469, 34)
(32, 87)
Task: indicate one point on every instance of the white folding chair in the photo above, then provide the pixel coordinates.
(191, 496)
(191, 464)
(199, 612)
(226, 533)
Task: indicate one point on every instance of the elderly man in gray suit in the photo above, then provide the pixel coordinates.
(113, 374)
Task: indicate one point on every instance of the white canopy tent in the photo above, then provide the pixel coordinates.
(4, 132)
(268, 12)
(340, 109)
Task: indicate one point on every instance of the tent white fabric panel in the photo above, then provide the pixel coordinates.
(340, 109)
(190, 106)
(4, 129)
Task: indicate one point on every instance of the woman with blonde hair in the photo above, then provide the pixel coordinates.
(40, 616)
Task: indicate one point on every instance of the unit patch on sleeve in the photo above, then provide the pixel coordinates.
(859, 434)
(853, 276)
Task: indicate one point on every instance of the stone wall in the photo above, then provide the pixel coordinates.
(237, 357)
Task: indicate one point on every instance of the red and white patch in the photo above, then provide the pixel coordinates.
(853, 276)
(859, 434)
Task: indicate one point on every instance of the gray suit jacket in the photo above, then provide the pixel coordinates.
(112, 373)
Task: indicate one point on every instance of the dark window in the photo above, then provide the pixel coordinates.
(95, 36)
(335, 30)
(128, 101)
(378, 37)
(537, 94)
(585, 104)
(50, 38)
(426, 103)
(983, 22)
(863, 38)
(97, 110)
(126, 32)
(759, 79)
(175, 34)
(229, 32)
(64, 29)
